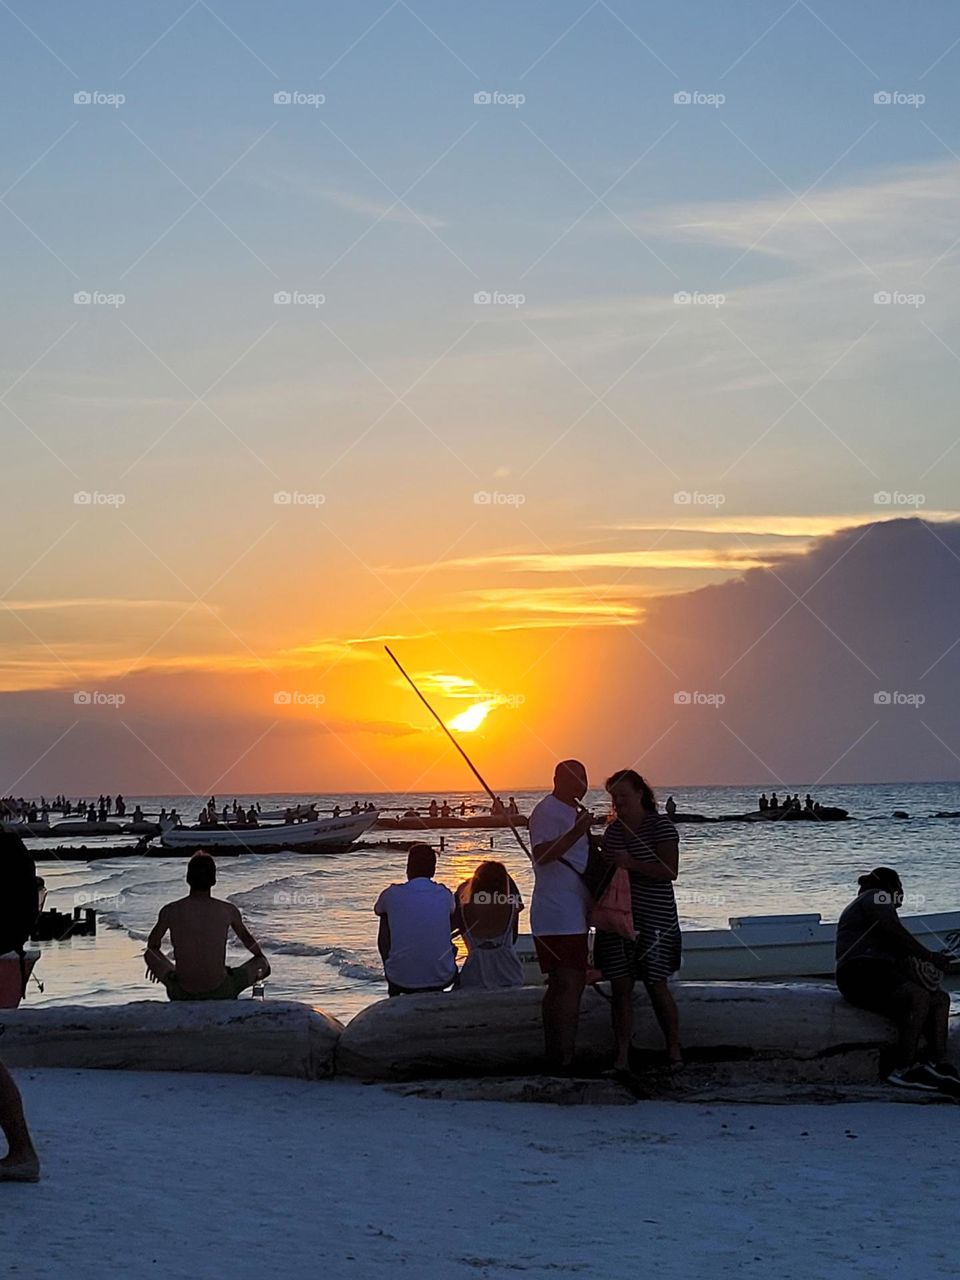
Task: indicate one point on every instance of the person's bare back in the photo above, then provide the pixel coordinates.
(199, 926)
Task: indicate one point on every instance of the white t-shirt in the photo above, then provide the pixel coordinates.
(560, 898)
(421, 950)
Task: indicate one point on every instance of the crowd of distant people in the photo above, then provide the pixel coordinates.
(789, 804)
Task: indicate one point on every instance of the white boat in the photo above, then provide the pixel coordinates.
(771, 947)
(325, 833)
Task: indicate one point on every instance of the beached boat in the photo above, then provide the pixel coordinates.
(324, 834)
(778, 946)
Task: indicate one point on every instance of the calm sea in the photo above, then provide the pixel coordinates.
(313, 914)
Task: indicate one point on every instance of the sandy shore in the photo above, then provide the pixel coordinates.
(211, 1176)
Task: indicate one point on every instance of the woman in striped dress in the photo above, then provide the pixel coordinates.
(646, 844)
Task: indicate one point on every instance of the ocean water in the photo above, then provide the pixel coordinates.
(313, 914)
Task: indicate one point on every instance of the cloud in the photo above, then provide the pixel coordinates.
(840, 663)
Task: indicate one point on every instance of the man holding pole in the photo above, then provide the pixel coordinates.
(559, 837)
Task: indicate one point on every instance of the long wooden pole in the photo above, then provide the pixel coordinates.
(470, 765)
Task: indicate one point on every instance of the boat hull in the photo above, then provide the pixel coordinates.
(773, 947)
(307, 837)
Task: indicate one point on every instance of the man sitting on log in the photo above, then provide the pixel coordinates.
(416, 921)
(199, 925)
(882, 967)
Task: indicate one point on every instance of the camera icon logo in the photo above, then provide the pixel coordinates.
(882, 698)
(482, 99)
(82, 698)
(683, 497)
(82, 99)
(282, 698)
(483, 298)
(82, 299)
(282, 298)
(683, 98)
(283, 498)
(83, 498)
(882, 298)
(883, 98)
(282, 99)
(681, 698)
(483, 498)
(682, 298)
(883, 498)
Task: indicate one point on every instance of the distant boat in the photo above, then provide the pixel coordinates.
(326, 833)
(772, 947)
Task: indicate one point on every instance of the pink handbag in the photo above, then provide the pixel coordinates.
(613, 910)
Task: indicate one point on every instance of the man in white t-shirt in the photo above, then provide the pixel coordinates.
(559, 841)
(416, 922)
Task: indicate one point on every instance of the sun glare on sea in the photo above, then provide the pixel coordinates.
(471, 719)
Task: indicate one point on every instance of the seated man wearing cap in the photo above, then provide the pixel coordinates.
(882, 967)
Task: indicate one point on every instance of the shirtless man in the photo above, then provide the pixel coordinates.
(199, 925)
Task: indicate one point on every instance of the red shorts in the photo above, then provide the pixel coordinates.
(561, 951)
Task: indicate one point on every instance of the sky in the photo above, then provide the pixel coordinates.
(554, 344)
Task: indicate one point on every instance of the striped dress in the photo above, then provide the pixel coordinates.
(656, 953)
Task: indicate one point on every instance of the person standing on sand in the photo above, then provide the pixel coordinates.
(416, 923)
(21, 1163)
(646, 844)
(199, 925)
(560, 848)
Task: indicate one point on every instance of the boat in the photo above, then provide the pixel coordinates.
(324, 834)
(771, 947)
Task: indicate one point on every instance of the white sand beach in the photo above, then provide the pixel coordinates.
(210, 1176)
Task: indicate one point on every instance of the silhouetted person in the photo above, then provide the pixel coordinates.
(764, 804)
(199, 926)
(416, 921)
(560, 847)
(21, 1163)
(670, 806)
(774, 802)
(881, 966)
